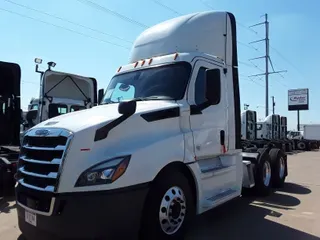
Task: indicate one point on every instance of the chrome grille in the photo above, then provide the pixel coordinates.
(41, 158)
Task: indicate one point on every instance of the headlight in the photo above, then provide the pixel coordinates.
(104, 173)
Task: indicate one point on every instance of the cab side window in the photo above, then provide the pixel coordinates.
(201, 85)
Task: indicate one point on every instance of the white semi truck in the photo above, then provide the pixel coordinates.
(270, 131)
(307, 139)
(164, 145)
(273, 129)
(61, 93)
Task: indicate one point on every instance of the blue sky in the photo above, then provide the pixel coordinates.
(294, 39)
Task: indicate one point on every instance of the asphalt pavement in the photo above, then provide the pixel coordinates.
(290, 213)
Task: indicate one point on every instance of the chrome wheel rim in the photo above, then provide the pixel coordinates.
(282, 168)
(266, 173)
(172, 210)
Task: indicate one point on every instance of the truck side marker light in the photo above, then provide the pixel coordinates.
(223, 149)
(84, 149)
(120, 170)
(136, 64)
(150, 61)
(119, 69)
(175, 56)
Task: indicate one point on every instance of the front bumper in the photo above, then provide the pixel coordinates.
(114, 214)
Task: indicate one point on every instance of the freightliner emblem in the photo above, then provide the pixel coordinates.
(42, 132)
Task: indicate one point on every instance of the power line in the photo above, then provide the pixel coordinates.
(66, 20)
(67, 29)
(267, 59)
(237, 22)
(250, 80)
(166, 7)
(112, 12)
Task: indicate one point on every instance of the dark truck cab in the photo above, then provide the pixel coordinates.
(10, 120)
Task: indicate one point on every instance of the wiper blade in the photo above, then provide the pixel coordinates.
(104, 103)
(153, 98)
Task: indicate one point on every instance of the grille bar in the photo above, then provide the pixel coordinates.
(50, 175)
(54, 161)
(57, 148)
(46, 189)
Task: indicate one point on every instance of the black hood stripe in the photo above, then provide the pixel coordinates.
(161, 114)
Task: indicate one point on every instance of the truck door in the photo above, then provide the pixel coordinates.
(209, 124)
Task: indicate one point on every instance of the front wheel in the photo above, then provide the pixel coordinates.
(169, 208)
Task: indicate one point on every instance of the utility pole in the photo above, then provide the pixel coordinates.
(273, 104)
(267, 59)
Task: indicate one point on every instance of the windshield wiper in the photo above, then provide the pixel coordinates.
(104, 103)
(153, 98)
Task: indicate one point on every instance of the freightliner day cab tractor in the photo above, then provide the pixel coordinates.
(270, 130)
(60, 93)
(260, 134)
(164, 145)
(303, 141)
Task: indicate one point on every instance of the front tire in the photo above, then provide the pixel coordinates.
(169, 208)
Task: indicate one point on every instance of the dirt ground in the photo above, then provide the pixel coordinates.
(292, 213)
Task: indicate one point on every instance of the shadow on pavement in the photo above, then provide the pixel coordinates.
(279, 201)
(294, 188)
(6, 204)
(239, 219)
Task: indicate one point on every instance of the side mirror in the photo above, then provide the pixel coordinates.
(127, 108)
(30, 116)
(100, 95)
(213, 86)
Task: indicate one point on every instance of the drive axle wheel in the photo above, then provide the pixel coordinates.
(279, 167)
(169, 208)
(301, 145)
(263, 174)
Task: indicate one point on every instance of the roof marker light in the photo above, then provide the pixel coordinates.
(150, 61)
(175, 56)
(143, 62)
(136, 64)
(119, 69)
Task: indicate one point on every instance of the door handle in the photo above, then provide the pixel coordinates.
(222, 141)
(222, 137)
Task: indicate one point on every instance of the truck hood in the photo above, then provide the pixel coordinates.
(71, 86)
(80, 120)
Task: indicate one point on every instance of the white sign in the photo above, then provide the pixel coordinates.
(298, 99)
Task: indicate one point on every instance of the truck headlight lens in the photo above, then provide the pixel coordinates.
(104, 173)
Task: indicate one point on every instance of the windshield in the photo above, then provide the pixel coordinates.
(163, 82)
(294, 134)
